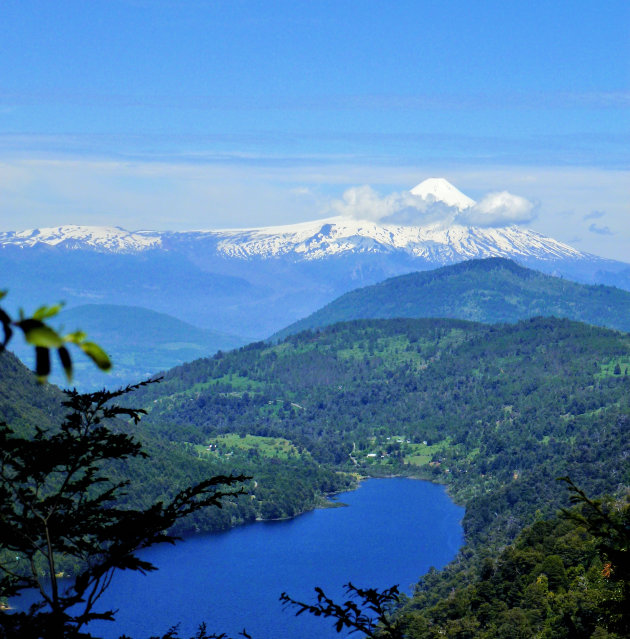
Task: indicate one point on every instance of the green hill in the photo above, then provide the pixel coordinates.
(490, 290)
(496, 412)
(285, 482)
(139, 341)
(562, 577)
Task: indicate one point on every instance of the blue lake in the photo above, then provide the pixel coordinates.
(392, 532)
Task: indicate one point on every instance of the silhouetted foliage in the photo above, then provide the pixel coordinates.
(57, 506)
(372, 615)
(202, 633)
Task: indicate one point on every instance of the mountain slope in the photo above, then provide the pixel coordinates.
(23, 402)
(283, 487)
(491, 290)
(140, 343)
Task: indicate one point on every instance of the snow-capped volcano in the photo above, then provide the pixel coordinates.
(441, 190)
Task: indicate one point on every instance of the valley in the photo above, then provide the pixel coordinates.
(495, 412)
(314, 320)
(366, 395)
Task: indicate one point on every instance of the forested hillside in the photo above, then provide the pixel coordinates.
(490, 290)
(562, 577)
(283, 485)
(495, 412)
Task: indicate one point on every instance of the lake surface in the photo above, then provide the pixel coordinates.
(392, 532)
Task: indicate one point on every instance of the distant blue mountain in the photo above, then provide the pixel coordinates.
(139, 341)
(491, 290)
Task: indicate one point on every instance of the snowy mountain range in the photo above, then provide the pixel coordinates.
(315, 240)
(255, 281)
(321, 239)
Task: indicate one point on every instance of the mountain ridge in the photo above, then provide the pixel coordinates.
(313, 240)
(440, 241)
(489, 290)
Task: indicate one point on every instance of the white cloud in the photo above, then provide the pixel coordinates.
(364, 203)
(499, 209)
(495, 209)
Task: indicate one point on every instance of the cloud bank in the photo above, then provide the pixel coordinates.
(499, 209)
(496, 209)
(364, 203)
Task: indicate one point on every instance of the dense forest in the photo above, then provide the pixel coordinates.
(564, 577)
(496, 413)
(488, 290)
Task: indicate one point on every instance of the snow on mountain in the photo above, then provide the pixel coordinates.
(435, 243)
(256, 281)
(320, 239)
(313, 241)
(441, 190)
(102, 238)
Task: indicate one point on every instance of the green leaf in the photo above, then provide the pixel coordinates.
(96, 354)
(38, 334)
(3, 293)
(75, 338)
(45, 312)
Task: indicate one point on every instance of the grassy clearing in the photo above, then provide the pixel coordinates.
(614, 368)
(421, 455)
(254, 445)
(386, 451)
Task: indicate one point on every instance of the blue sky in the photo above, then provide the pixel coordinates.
(189, 114)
